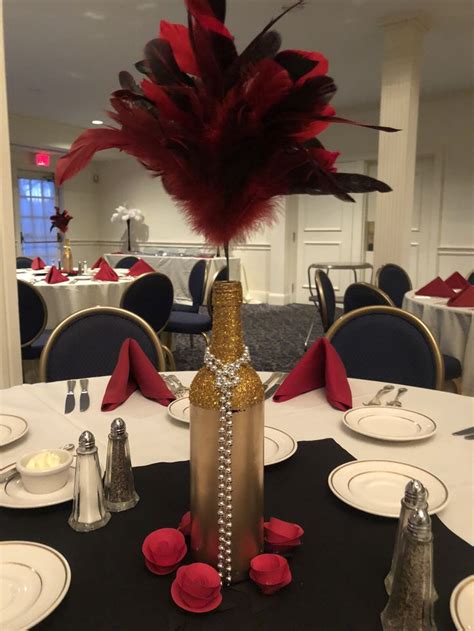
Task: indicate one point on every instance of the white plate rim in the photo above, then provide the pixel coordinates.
(38, 504)
(174, 416)
(431, 511)
(391, 409)
(453, 600)
(12, 440)
(290, 453)
(67, 578)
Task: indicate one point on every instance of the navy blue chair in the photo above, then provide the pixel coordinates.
(389, 345)
(196, 284)
(33, 317)
(23, 262)
(87, 344)
(324, 300)
(360, 295)
(151, 298)
(470, 278)
(394, 281)
(127, 262)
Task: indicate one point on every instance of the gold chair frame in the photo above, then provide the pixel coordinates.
(45, 308)
(377, 275)
(377, 290)
(416, 322)
(96, 311)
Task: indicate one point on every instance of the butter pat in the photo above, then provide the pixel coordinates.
(42, 461)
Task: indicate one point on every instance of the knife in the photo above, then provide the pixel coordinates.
(70, 400)
(269, 392)
(84, 399)
(463, 432)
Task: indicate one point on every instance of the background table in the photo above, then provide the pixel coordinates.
(453, 329)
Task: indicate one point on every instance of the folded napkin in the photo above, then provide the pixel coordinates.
(139, 268)
(456, 281)
(463, 299)
(436, 287)
(54, 276)
(134, 370)
(319, 366)
(38, 263)
(99, 262)
(106, 272)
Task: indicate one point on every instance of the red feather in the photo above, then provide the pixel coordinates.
(178, 37)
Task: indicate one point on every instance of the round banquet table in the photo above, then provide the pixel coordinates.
(453, 329)
(339, 570)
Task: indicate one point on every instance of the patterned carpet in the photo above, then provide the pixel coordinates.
(274, 335)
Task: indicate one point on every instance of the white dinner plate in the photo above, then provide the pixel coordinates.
(33, 581)
(377, 486)
(389, 423)
(179, 409)
(14, 495)
(12, 428)
(462, 604)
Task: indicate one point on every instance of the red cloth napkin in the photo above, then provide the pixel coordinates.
(38, 263)
(134, 370)
(319, 366)
(436, 287)
(463, 299)
(139, 268)
(106, 272)
(456, 281)
(54, 276)
(99, 262)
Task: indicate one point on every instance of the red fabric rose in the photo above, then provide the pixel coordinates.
(271, 572)
(163, 550)
(282, 536)
(185, 524)
(197, 588)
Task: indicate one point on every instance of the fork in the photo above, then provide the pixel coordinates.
(179, 389)
(396, 403)
(376, 400)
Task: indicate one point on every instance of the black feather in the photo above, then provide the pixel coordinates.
(218, 8)
(265, 46)
(163, 65)
(127, 82)
(295, 64)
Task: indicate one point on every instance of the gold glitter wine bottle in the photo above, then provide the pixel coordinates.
(227, 424)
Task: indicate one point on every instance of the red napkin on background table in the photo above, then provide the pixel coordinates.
(54, 276)
(436, 287)
(319, 366)
(139, 268)
(106, 272)
(456, 281)
(463, 299)
(99, 262)
(38, 263)
(134, 370)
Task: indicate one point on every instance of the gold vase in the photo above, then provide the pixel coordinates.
(247, 401)
(67, 264)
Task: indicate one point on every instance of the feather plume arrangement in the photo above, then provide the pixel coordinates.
(60, 220)
(228, 133)
(122, 213)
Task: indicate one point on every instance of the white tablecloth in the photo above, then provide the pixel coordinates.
(63, 299)
(178, 268)
(453, 329)
(154, 437)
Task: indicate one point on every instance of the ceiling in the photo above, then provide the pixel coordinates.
(63, 56)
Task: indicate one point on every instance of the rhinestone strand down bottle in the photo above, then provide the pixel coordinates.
(227, 424)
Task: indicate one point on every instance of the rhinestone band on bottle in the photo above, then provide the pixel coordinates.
(226, 380)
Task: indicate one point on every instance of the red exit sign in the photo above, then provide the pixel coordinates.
(42, 159)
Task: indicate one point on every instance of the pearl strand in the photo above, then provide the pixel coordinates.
(226, 380)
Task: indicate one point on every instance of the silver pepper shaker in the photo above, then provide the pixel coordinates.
(119, 486)
(84, 267)
(88, 507)
(410, 606)
(415, 497)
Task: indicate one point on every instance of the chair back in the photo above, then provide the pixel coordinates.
(197, 283)
(33, 313)
(326, 298)
(151, 297)
(127, 262)
(23, 262)
(87, 344)
(360, 295)
(470, 277)
(220, 275)
(394, 281)
(389, 345)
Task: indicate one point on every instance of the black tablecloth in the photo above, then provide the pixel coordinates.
(338, 572)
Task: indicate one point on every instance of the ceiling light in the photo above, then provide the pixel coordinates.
(97, 122)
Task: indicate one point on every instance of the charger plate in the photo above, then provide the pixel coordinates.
(34, 579)
(377, 486)
(389, 423)
(14, 495)
(461, 604)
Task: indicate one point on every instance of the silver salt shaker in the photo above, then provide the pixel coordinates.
(88, 507)
(119, 486)
(415, 497)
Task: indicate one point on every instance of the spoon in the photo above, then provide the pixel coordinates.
(396, 403)
(11, 473)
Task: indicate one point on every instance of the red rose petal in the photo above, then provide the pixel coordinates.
(176, 595)
(185, 524)
(279, 531)
(197, 588)
(164, 547)
(270, 582)
(161, 571)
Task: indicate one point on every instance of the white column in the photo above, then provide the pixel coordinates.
(10, 355)
(403, 40)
